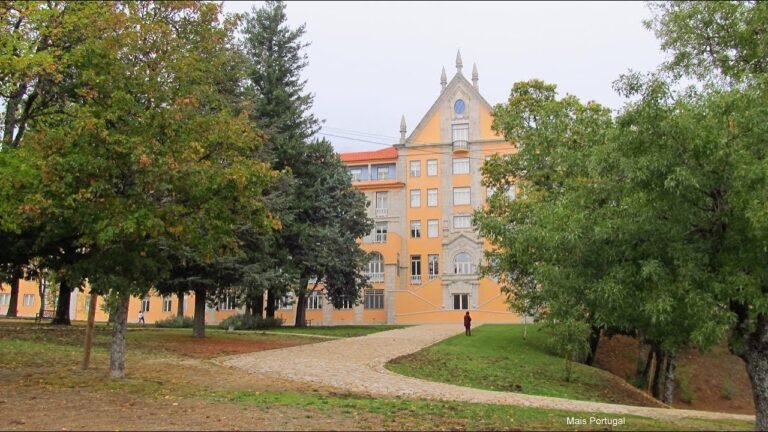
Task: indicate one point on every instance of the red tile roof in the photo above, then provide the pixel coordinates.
(387, 153)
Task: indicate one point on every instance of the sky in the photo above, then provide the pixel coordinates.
(372, 62)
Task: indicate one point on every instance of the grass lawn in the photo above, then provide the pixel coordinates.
(496, 357)
(338, 331)
(173, 384)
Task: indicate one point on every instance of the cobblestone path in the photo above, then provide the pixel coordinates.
(357, 365)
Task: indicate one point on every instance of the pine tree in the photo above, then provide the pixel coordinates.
(281, 106)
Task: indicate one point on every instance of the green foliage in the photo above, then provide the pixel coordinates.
(250, 322)
(713, 40)
(727, 390)
(175, 322)
(281, 107)
(683, 381)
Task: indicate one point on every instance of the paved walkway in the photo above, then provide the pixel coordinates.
(357, 365)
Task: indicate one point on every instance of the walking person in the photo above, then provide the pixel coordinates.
(467, 324)
(141, 317)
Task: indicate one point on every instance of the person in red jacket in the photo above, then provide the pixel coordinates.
(467, 324)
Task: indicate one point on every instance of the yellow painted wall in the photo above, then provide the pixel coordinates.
(430, 133)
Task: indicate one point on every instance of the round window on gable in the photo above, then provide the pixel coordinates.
(458, 107)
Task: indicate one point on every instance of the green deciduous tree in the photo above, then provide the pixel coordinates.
(152, 160)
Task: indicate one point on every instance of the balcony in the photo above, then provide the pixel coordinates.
(460, 146)
(381, 212)
(415, 279)
(376, 277)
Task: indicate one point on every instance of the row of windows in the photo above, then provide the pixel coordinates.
(372, 299)
(461, 196)
(379, 233)
(462, 264)
(460, 166)
(433, 228)
(381, 173)
(26, 300)
(146, 303)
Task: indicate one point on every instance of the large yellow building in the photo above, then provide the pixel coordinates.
(422, 192)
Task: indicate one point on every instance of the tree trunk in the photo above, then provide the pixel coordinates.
(248, 310)
(271, 304)
(657, 375)
(117, 354)
(89, 329)
(301, 308)
(594, 340)
(644, 378)
(62, 304)
(669, 378)
(41, 285)
(258, 306)
(180, 306)
(199, 328)
(755, 356)
(13, 306)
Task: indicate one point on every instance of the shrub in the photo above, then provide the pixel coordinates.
(687, 393)
(250, 322)
(176, 322)
(728, 390)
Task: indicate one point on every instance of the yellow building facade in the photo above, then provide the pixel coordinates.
(422, 193)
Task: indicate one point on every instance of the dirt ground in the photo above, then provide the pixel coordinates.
(716, 379)
(89, 409)
(174, 394)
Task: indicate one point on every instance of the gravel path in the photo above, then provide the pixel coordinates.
(357, 365)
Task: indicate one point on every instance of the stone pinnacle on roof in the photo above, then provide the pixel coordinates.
(443, 80)
(402, 129)
(475, 76)
(458, 62)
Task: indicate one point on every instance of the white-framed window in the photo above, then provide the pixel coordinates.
(382, 203)
(460, 301)
(28, 300)
(431, 197)
(461, 196)
(415, 269)
(382, 173)
(461, 166)
(376, 268)
(315, 300)
(460, 134)
(145, 304)
(415, 198)
(228, 302)
(433, 266)
(5, 299)
(489, 191)
(415, 229)
(415, 168)
(356, 174)
(373, 299)
(286, 301)
(511, 192)
(380, 232)
(462, 222)
(347, 303)
(87, 303)
(462, 264)
(167, 304)
(432, 228)
(431, 167)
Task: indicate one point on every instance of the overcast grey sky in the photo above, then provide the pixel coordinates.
(370, 63)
